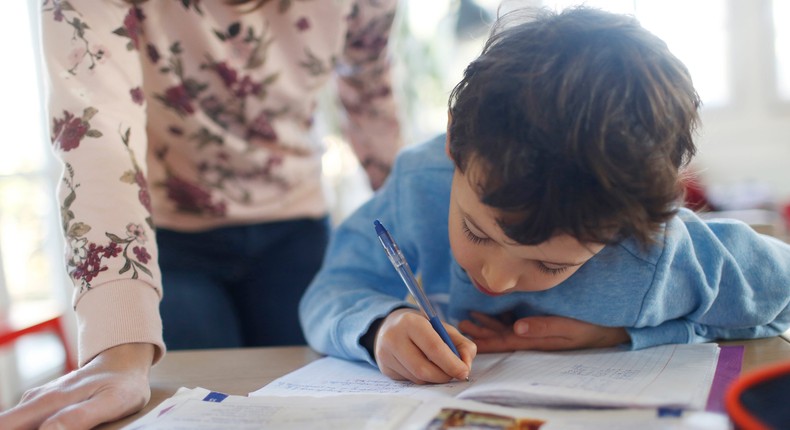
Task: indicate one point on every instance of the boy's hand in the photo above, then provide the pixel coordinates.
(408, 348)
(548, 333)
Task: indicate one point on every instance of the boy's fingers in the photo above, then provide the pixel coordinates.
(515, 343)
(407, 346)
(395, 370)
(542, 326)
(476, 331)
(466, 348)
(426, 370)
(440, 355)
(395, 362)
(487, 321)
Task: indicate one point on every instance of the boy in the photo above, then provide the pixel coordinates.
(558, 186)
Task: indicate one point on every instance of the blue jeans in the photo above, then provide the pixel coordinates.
(238, 286)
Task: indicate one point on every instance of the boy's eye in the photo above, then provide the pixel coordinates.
(477, 240)
(551, 270)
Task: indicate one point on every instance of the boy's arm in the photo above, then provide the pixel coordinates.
(721, 280)
(352, 309)
(686, 331)
(356, 285)
(357, 289)
(539, 333)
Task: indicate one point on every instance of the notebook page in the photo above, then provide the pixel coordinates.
(331, 376)
(668, 375)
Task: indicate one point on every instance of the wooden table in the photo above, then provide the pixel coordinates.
(241, 371)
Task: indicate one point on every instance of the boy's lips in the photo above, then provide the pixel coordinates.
(483, 289)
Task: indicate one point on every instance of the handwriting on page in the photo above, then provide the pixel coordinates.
(332, 376)
(596, 372)
(593, 370)
(353, 386)
(668, 375)
(672, 375)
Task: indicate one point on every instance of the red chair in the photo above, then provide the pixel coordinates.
(21, 322)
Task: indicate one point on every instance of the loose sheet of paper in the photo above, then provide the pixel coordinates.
(189, 410)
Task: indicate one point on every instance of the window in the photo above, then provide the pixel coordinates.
(781, 8)
(29, 235)
(32, 276)
(695, 32)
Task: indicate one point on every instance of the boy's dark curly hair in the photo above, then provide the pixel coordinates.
(576, 122)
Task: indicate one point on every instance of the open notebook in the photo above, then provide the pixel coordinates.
(677, 376)
(326, 394)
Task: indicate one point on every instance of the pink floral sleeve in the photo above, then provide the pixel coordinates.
(97, 113)
(365, 88)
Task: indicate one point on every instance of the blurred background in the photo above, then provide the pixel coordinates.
(738, 52)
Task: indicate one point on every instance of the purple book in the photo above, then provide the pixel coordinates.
(727, 370)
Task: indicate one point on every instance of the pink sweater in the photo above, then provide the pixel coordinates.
(191, 115)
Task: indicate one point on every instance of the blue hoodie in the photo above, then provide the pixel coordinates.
(700, 281)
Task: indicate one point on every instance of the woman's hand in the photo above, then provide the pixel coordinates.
(110, 387)
(545, 333)
(408, 348)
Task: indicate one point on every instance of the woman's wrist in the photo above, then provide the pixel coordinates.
(128, 356)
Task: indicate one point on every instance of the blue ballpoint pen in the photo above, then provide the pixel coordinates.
(402, 266)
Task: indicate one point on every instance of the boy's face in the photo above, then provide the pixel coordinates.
(495, 263)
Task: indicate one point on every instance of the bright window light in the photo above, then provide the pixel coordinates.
(697, 36)
(782, 48)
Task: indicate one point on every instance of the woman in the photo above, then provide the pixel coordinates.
(185, 131)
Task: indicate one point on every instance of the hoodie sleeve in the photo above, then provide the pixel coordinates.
(357, 284)
(716, 280)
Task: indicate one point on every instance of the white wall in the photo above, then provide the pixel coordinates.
(750, 140)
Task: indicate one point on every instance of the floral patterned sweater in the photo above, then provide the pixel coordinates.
(190, 115)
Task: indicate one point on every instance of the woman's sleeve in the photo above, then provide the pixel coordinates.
(97, 125)
(365, 88)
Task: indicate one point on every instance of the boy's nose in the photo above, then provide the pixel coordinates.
(497, 276)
